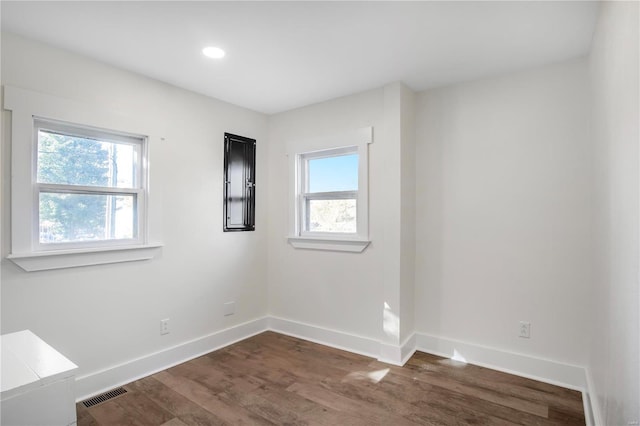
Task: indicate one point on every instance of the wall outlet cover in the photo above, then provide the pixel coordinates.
(524, 330)
(229, 308)
(164, 326)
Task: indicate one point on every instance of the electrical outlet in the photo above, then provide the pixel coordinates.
(525, 330)
(164, 326)
(229, 308)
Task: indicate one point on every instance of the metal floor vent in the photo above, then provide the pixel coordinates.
(104, 397)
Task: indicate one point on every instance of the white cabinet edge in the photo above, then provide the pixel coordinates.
(29, 363)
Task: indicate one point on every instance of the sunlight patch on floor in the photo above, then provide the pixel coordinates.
(456, 360)
(372, 376)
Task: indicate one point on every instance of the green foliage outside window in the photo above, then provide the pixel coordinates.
(72, 160)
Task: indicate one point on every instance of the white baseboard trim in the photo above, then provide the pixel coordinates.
(390, 354)
(324, 336)
(543, 370)
(398, 354)
(589, 398)
(383, 352)
(408, 348)
(98, 382)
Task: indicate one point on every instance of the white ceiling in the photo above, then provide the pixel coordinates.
(282, 55)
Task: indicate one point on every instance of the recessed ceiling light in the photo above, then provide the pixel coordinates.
(213, 52)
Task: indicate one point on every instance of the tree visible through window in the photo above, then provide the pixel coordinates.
(89, 185)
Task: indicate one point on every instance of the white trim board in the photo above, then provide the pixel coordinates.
(591, 407)
(398, 354)
(100, 381)
(548, 371)
(383, 352)
(324, 336)
(544, 370)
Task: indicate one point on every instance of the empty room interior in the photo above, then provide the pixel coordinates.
(327, 213)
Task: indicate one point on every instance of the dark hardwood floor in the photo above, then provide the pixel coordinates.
(276, 379)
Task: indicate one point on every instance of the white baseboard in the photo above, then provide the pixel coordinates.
(384, 352)
(408, 348)
(398, 354)
(118, 375)
(390, 354)
(590, 399)
(543, 370)
(324, 336)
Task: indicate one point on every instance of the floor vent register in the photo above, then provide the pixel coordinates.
(104, 397)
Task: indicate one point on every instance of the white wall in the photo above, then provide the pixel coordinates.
(614, 358)
(102, 316)
(368, 294)
(335, 290)
(502, 208)
(503, 212)
(407, 214)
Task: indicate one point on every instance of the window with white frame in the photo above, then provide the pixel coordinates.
(330, 193)
(79, 192)
(89, 185)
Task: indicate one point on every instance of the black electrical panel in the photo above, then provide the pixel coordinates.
(239, 183)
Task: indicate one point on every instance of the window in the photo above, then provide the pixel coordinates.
(79, 192)
(239, 183)
(90, 186)
(330, 193)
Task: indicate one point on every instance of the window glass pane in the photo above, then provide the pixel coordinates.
(68, 218)
(331, 215)
(330, 174)
(73, 160)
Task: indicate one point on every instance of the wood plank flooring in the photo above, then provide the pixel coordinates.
(275, 379)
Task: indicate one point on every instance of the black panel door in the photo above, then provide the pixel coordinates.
(239, 183)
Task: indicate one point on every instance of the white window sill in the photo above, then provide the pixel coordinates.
(316, 243)
(59, 259)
